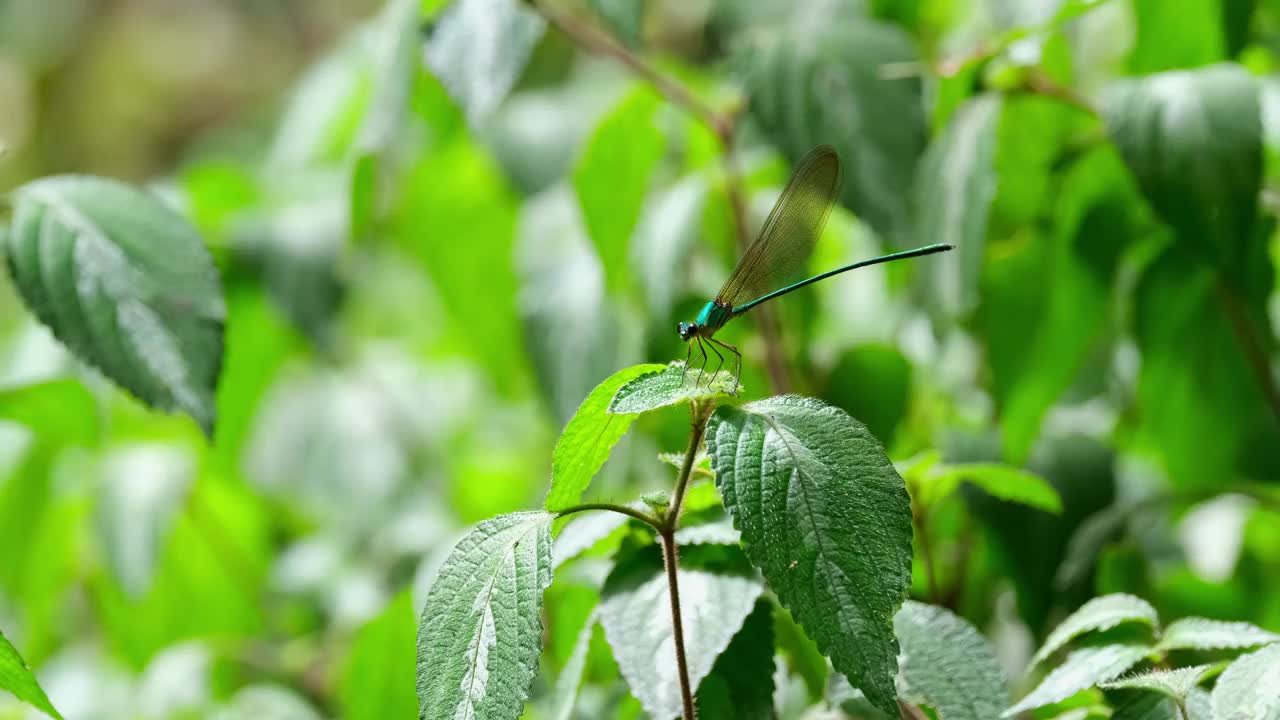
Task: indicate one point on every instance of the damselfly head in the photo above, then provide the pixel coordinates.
(688, 330)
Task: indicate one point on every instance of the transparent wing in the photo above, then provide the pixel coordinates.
(779, 253)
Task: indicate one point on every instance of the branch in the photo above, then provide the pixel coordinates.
(643, 517)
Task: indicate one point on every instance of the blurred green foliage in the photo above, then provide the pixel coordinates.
(438, 225)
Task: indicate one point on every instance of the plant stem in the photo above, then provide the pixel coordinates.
(1251, 346)
(643, 517)
(919, 519)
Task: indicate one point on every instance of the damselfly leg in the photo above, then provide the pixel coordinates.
(737, 373)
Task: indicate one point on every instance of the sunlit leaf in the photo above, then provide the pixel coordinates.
(945, 663)
(1174, 683)
(378, 681)
(1248, 689)
(671, 386)
(18, 679)
(478, 49)
(1204, 634)
(740, 685)
(56, 408)
(1100, 613)
(612, 178)
(481, 628)
(824, 82)
(126, 284)
(1081, 670)
(591, 433)
(635, 611)
(827, 518)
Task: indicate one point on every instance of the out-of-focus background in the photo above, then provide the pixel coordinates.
(440, 224)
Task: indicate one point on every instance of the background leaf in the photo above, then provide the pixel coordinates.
(57, 408)
(379, 680)
(946, 664)
(478, 48)
(1205, 634)
(837, 555)
(481, 628)
(740, 684)
(1099, 614)
(17, 678)
(1081, 670)
(126, 284)
(1247, 689)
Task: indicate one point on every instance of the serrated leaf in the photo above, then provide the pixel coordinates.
(1174, 683)
(17, 678)
(1002, 481)
(588, 438)
(478, 49)
(954, 189)
(1152, 706)
(612, 176)
(1193, 139)
(1100, 613)
(1081, 670)
(126, 284)
(62, 409)
(671, 386)
(740, 686)
(1204, 634)
(824, 83)
(945, 663)
(1250, 688)
(827, 518)
(481, 628)
(378, 681)
(635, 611)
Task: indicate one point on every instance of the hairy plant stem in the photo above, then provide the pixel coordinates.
(699, 412)
(643, 517)
(722, 123)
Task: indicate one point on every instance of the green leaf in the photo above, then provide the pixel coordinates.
(378, 681)
(1002, 481)
(1204, 634)
(1174, 683)
(872, 382)
(1100, 613)
(954, 190)
(827, 518)
(740, 686)
(1153, 706)
(717, 532)
(825, 83)
(583, 532)
(63, 409)
(665, 235)
(635, 611)
(479, 47)
(141, 492)
(671, 386)
(126, 284)
(481, 629)
(945, 663)
(397, 52)
(1199, 409)
(18, 679)
(612, 178)
(1193, 139)
(1081, 670)
(1247, 690)
(591, 433)
(1186, 35)
(569, 682)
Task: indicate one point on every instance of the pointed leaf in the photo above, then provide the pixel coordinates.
(827, 518)
(740, 686)
(126, 284)
(1250, 688)
(478, 49)
(1002, 481)
(954, 189)
(18, 679)
(481, 628)
(588, 437)
(672, 386)
(1193, 139)
(1204, 634)
(379, 680)
(1176, 684)
(1081, 670)
(635, 610)
(945, 663)
(1100, 613)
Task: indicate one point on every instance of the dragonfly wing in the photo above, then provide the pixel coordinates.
(782, 248)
